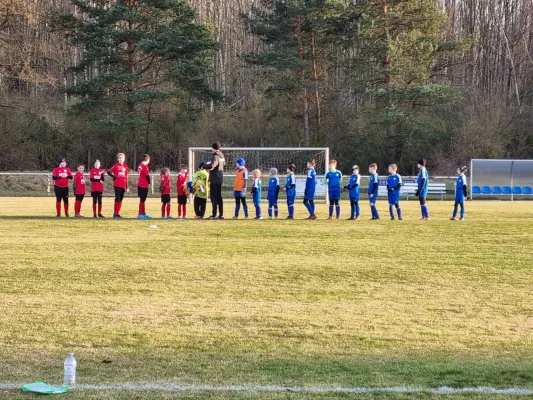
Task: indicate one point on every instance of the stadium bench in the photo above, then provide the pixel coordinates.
(409, 189)
(496, 190)
(507, 190)
(527, 190)
(517, 190)
(486, 190)
(476, 190)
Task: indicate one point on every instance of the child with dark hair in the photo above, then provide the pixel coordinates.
(200, 189)
(394, 183)
(79, 190)
(97, 176)
(61, 176)
(310, 187)
(290, 189)
(183, 175)
(334, 181)
(164, 188)
(240, 187)
(354, 188)
(461, 193)
(373, 187)
(143, 184)
(423, 187)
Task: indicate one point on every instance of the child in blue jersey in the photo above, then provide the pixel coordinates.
(354, 188)
(257, 187)
(290, 188)
(273, 193)
(373, 187)
(239, 189)
(461, 193)
(310, 186)
(394, 183)
(423, 186)
(333, 180)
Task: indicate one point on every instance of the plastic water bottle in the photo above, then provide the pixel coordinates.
(70, 370)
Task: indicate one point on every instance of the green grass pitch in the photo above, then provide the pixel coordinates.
(324, 303)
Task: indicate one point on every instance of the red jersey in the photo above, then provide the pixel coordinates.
(98, 175)
(79, 183)
(121, 175)
(144, 172)
(165, 185)
(182, 181)
(61, 175)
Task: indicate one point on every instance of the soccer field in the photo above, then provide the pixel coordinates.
(286, 303)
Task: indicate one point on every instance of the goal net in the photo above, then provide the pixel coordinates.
(264, 158)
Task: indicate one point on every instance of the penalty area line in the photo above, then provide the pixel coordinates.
(308, 389)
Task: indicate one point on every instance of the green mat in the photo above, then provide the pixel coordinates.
(44, 388)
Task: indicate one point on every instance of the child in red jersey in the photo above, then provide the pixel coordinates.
(143, 184)
(119, 173)
(165, 193)
(60, 176)
(79, 190)
(97, 176)
(182, 192)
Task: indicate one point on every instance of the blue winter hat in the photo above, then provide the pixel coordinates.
(61, 159)
(241, 162)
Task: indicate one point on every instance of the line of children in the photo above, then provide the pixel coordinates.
(333, 180)
(257, 187)
(240, 187)
(79, 190)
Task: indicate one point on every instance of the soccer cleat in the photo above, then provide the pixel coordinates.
(330, 218)
(400, 219)
(58, 216)
(338, 218)
(313, 217)
(169, 217)
(290, 217)
(140, 216)
(221, 217)
(235, 217)
(392, 219)
(210, 218)
(462, 219)
(146, 216)
(67, 215)
(196, 217)
(117, 216)
(95, 216)
(350, 219)
(453, 219)
(101, 216)
(78, 216)
(357, 218)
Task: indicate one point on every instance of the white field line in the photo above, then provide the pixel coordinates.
(309, 389)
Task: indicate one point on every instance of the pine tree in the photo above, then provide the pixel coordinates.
(295, 35)
(399, 44)
(136, 54)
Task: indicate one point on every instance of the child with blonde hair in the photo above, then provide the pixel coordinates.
(257, 187)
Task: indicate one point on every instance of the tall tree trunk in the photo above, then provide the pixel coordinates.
(316, 93)
(391, 145)
(305, 96)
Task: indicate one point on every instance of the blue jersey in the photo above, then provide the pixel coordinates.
(423, 185)
(257, 188)
(333, 179)
(460, 193)
(394, 182)
(291, 180)
(273, 189)
(373, 185)
(310, 184)
(354, 187)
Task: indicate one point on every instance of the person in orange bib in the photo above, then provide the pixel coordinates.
(239, 189)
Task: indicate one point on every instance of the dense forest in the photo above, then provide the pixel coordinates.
(376, 81)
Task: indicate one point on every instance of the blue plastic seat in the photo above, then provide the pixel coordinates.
(496, 190)
(507, 190)
(476, 190)
(486, 190)
(527, 190)
(517, 190)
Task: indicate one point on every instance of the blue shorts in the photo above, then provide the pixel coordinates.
(459, 199)
(373, 199)
(309, 195)
(238, 194)
(290, 200)
(393, 198)
(334, 194)
(257, 200)
(354, 198)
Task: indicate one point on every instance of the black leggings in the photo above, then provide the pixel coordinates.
(240, 200)
(61, 194)
(334, 202)
(307, 201)
(199, 206)
(216, 199)
(354, 203)
(79, 197)
(97, 197)
(422, 200)
(119, 194)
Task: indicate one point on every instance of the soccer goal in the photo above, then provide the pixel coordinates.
(264, 158)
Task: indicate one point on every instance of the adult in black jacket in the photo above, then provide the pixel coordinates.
(216, 178)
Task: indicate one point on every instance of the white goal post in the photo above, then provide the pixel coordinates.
(264, 158)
